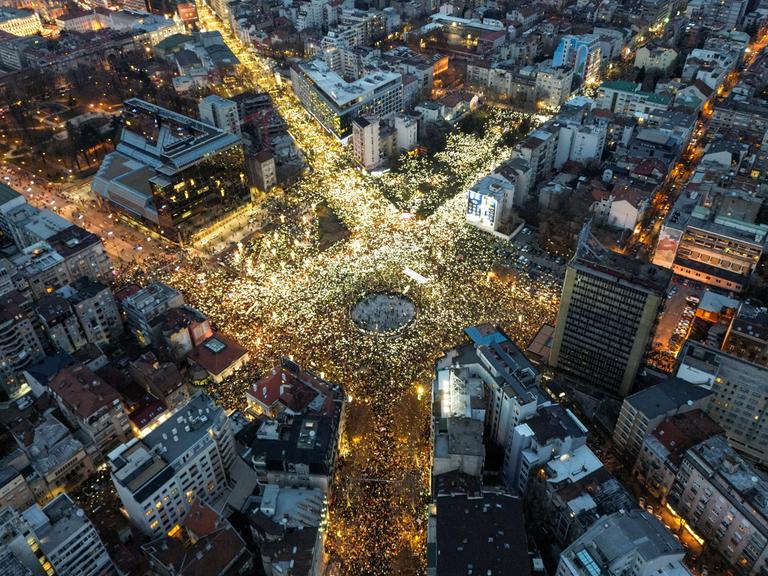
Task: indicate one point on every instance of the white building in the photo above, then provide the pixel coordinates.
(186, 457)
(538, 149)
(553, 86)
(582, 54)
(365, 141)
(146, 305)
(509, 380)
(335, 102)
(55, 539)
(738, 402)
(578, 143)
(655, 58)
(489, 202)
(220, 112)
(554, 431)
(632, 542)
(406, 132)
(626, 98)
(20, 22)
(663, 450)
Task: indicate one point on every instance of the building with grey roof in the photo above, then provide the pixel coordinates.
(644, 410)
(725, 500)
(554, 431)
(147, 304)
(297, 450)
(172, 173)
(663, 450)
(711, 234)
(486, 384)
(55, 539)
(484, 534)
(96, 310)
(335, 102)
(739, 395)
(188, 456)
(9, 201)
(28, 225)
(622, 542)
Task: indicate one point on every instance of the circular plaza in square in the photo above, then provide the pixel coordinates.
(385, 313)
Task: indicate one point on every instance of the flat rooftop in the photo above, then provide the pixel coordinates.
(631, 270)
(338, 90)
(168, 141)
(480, 535)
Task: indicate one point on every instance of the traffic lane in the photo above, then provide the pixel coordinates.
(673, 310)
(120, 241)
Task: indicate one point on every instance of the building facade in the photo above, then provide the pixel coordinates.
(187, 457)
(607, 315)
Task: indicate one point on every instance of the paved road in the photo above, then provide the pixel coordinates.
(76, 202)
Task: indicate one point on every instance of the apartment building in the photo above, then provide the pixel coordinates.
(553, 86)
(220, 112)
(553, 432)
(489, 202)
(508, 381)
(630, 541)
(55, 539)
(20, 22)
(20, 345)
(725, 501)
(187, 457)
(739, 401)
(146, 304)
(582, 54)
(365, 142)
(663, 450)
(643, 411)
(92, 405)
(622, 97)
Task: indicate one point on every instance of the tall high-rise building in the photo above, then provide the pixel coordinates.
(220, 112)
(607, 314)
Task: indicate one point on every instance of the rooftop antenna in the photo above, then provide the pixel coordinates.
(588, 244)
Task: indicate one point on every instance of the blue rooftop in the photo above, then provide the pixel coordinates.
(485, 335)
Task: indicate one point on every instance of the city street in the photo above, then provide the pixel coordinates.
(75, 202)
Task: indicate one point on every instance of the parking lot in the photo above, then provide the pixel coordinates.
(523, 254)
(677, 317)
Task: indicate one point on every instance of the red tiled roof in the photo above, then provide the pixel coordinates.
(126, 292)
(215, 362)
(648, 165)
(631, 194)
(294, 393)
(83, 391)
(148, 409)
(454, 99)
(680, 432)
(201, 520)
